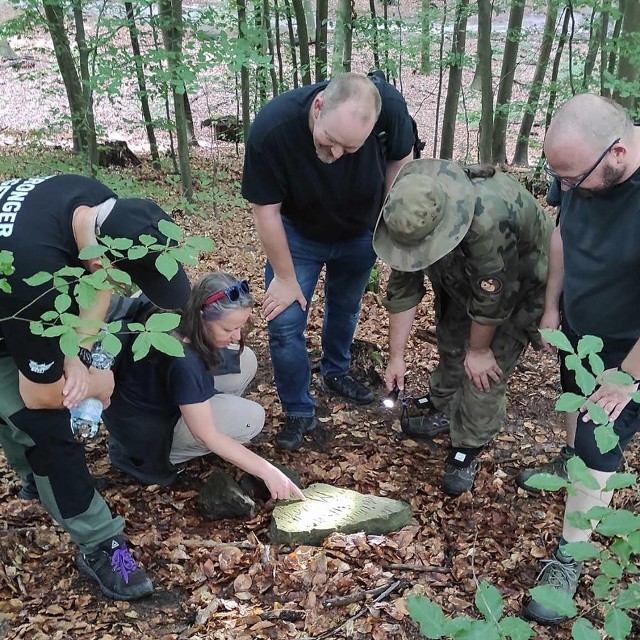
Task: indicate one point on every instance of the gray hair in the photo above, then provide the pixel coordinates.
(354, 87)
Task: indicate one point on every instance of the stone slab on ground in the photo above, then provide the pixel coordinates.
(330, 509)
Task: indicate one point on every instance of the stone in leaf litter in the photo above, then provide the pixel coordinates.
(330, 509)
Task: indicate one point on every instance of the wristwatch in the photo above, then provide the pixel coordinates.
(85, 356)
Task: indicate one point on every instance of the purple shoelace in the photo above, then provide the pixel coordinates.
(122, 562)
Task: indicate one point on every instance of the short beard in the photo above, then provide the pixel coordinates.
(611, 177)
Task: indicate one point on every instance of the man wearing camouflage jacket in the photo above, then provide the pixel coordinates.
(483, 241)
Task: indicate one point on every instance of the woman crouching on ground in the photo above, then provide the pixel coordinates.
(166, 409)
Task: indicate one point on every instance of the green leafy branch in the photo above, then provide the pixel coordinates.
(616, 588)
(74, 283)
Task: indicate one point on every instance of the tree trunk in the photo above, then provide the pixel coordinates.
(310, 19)
(55, 24)
(604, 33)
(303, 41)
(613, 53)
(595, 28)
(553, 81)
(259, 42)
(342, 42)
(521, 156)
(321, 39)
(505, 87)
(245, 94)
(154, 21)
(455, 80)
(171, 11)
(278, 44)
(486, 79)
(6, 52)
(266, 12)
(292, 44)
(375, 39)
(628, 67)
(440, 78)
(142, 86)
(88, 120)
(425, 36)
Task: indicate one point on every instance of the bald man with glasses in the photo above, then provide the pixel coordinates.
(593, 152)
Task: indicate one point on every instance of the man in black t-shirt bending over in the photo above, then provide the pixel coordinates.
(45, 222)
(316, 174)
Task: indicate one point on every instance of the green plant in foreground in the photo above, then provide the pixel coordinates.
(616, 589)
(74, 283)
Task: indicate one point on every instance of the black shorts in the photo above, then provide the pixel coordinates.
(627, 424)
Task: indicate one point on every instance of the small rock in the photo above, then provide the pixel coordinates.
(256, 489)
(329, 509)
(221, 497)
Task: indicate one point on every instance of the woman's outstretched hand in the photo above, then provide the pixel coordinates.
(280, 486)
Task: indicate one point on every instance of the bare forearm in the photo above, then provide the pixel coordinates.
(631, 364)
(393, 168)
(399, 330)
(274, 240)
(481, 336)
(555, 276)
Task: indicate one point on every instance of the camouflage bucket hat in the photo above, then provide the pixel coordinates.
(426, 214)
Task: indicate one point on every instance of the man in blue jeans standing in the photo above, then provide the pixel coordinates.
(316, 174)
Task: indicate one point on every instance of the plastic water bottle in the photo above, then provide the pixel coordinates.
(86, 417)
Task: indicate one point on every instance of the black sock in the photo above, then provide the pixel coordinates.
(463, 456)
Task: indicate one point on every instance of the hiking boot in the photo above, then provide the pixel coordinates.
(348, 387)
(457, 480)
(115, 571)
(555, 467)
(29, 489)
(559, 572)
(291, 436)
(425, 426)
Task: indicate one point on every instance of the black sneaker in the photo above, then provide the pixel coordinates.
(347, 387)
(557, 467)
(291, 436)
(425, 426)
(457, 480)
(561, 573)
(115, 571)
(29, 490)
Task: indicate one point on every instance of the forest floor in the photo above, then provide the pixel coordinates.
(225, 580)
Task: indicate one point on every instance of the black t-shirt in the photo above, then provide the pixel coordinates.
(35, 225)
(601, 247)
(145, 405)
(326, 202)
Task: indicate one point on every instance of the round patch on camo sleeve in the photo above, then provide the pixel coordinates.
(490, 285)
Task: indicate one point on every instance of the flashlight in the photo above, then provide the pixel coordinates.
(389, 401)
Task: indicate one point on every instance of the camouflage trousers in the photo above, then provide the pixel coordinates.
(476, 416)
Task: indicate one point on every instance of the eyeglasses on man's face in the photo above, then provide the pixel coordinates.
(232, 293)
(574, 183)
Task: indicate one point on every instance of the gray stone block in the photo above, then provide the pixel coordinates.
(329, 509)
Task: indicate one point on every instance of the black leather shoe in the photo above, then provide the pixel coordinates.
(425, 426)
(29, 490)
(347, 387)
(291, 436)
(457, 480)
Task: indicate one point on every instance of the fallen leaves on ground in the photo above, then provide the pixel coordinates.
(224, 580)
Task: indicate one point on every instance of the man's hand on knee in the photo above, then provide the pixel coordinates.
(280, 295)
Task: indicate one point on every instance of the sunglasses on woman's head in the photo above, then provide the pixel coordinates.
(232, 293)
